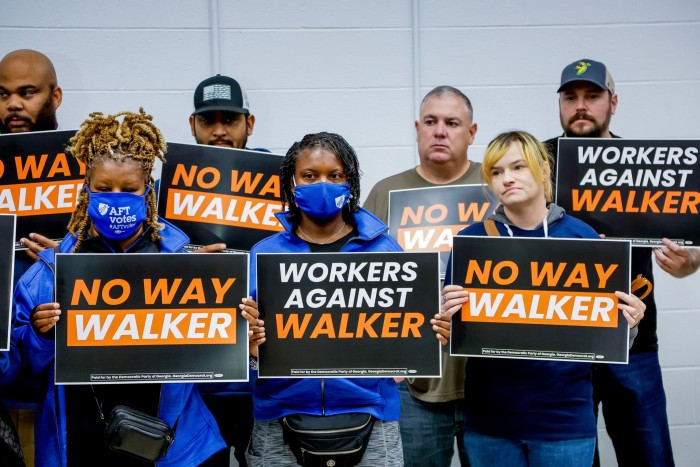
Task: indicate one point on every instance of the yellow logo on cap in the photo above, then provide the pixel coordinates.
(581, 68)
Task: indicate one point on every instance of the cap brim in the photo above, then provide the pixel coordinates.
(582, 79)
(223, 108)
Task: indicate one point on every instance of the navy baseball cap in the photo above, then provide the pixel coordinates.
(220, 93)
(588, 70)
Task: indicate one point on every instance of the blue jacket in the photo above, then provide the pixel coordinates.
(197, 435)
(276, 397)
(529, 399)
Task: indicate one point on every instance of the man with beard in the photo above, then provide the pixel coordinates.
(222, 118)
(29, 97)
(633, 399)
(221, 114)
(29, 93)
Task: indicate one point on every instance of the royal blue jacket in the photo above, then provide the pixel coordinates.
(197, 436)
(274, 398)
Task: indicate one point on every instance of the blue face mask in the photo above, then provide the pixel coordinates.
(117, 215)
(322, 200)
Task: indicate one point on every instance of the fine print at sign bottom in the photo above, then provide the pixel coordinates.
(107, 378)
(354, 372)
(538, 354)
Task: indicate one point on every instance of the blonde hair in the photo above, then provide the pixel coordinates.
(538, 160)
(134, 139)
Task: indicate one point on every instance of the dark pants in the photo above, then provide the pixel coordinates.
(634, 408)
(234, 415)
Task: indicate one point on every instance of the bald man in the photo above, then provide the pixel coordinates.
(29, 92)
(29, 97)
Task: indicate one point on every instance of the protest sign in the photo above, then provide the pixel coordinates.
(39, 182)
(348, 315)
(641, 190)
(541, 298)
(7, 239)
(221, 195)
(151, 318)
(425, 219)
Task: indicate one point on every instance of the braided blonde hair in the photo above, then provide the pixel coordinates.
(134, 139)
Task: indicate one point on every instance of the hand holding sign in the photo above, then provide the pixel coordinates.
(677, 260)
(633, 309)
(45, 316)
(256, 332)
(37, 243)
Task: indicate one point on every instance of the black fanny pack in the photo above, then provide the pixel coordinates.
(137, 434)
(335, 440)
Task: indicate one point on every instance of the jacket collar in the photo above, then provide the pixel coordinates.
(368, 226)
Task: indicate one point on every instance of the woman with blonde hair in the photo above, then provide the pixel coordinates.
(528, 412)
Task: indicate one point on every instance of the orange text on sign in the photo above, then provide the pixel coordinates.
(337, 326)
(97, 328)
(561, 308)
(666, 202)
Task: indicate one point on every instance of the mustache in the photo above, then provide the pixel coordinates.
(581, 116)
(17, 116)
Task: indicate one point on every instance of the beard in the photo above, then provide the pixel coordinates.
(595, 131)
(45, 120)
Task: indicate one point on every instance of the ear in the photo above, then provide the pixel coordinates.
(472, 133)
(57, 97)
(250, 123)
(613, 104)
(417, 125)
(192, 125)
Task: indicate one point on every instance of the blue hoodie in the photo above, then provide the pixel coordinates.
(197, 435)
(276, 397)
(529, 399)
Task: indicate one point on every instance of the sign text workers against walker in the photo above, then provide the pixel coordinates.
(39, 182)
(221, 195)
(349, 314)
(425, 219)
(640, 190)
(541, 298)
(151, 317)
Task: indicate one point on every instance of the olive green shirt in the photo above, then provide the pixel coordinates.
(451, 386)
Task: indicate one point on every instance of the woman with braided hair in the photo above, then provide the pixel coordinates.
(118, 152)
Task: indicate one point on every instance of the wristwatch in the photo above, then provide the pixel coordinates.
(253, 362)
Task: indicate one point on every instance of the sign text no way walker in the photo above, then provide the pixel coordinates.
(541, 298)
(151, 318)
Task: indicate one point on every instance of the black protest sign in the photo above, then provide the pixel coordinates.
(151, 318)
(221, 195)
(350, 314)
(39, 182)
(7, 241)
(641, 190)
(541, 298)
(426, 219)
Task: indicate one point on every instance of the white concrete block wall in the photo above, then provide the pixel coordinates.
(348, 66)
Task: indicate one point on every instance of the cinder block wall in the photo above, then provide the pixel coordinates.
(357, 68)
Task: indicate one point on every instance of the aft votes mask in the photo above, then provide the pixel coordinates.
(117, 215)
(322, 200)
